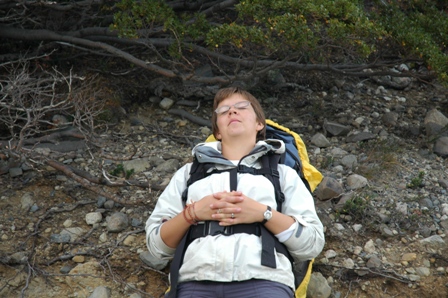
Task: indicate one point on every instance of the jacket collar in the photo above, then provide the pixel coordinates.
(211, 152)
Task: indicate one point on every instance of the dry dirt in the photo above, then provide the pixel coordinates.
(115, 263)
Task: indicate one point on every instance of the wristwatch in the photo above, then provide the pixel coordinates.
(267, 215)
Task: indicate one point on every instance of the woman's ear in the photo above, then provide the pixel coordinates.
(259, 126)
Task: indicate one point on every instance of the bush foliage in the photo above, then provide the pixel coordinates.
(308, 31)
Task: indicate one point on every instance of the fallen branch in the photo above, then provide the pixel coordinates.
(86, 183)
(115, 158)
(106, 181)
(70, 256)
(184, 139)
(70, 132)
(192, 118)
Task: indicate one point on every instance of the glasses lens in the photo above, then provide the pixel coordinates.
(242, 104)
(222, 110)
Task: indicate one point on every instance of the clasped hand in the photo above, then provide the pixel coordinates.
(229, 208)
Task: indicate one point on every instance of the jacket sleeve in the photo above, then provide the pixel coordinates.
(169, 204)
(307, 240)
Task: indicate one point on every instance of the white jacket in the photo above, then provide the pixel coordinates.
(238, 257)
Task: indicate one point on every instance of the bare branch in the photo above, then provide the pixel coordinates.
(36, 105)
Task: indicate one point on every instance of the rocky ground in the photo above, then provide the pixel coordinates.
(388, 239)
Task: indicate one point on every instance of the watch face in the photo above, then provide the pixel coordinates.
(267, 215)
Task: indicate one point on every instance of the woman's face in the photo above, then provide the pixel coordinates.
(237, 122)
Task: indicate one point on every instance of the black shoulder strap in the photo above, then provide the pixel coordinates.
(270, 162)
(198, 171)
(175, 266)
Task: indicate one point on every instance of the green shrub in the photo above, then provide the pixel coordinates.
(417, 182)
(120, 171)
(309, 31)
(421, 29)
(357, 208)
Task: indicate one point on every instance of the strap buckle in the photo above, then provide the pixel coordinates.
(213, 228)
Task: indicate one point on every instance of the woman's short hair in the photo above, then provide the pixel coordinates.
(227, 92)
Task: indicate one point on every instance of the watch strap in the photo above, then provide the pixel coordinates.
(265, 220)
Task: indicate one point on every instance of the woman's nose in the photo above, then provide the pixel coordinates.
(232, 110)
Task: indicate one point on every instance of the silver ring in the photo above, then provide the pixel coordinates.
(232, 215)
(219, 211)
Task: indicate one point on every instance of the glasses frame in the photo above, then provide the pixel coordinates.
(241, 105)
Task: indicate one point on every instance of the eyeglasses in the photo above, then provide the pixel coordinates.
(242, 105)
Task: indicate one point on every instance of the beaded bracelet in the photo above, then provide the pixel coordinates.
(191, 214)
(196, 219)
(185, 216)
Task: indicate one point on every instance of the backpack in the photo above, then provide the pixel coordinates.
(296, 157)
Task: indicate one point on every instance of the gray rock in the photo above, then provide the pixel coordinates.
(435, 122)
(15, 172)
(369, 247)
(444, 224)
(74, 233)
(34, 208)
(423, 271)
(434, 241)
(43, 150)
(100, 201)
(384, 218)
(328, 189)
(19, 257)
(330, 254)
(101, 292)
(109, 204)
(65, 269)
(336, 129)
(374, 262)
(386, 231)
(359, 137)
(356, 181)
(348, 263)
(441, 147)
(402, 208)
(320, 141)
(168, 166)
(117, 222)
(155, 160)
(444, 183)
(166, 103)
(58, 238)
(27, 201)
(390, 119)
(338, 152)
(93, 218)
(318, 286)
(138, 165)
(350, 161)
(136, 222)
